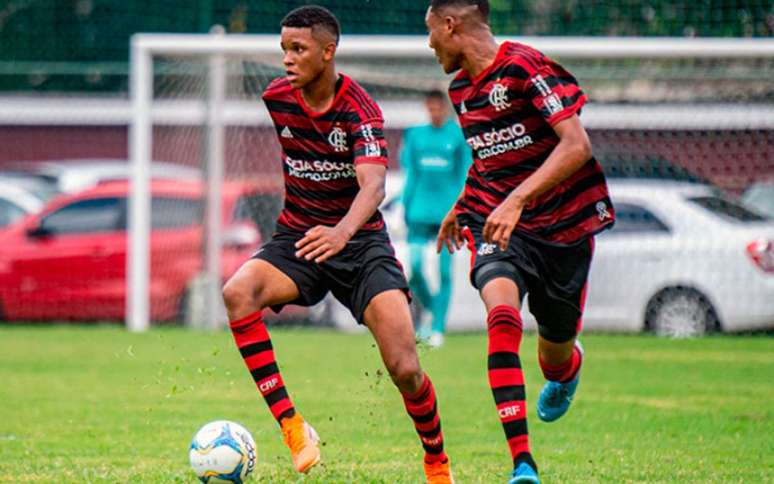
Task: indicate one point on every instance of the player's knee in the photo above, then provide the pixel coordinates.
(405, 372)
(240, 297)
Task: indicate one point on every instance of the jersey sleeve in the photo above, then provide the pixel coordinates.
(553, 91)
(369, 145)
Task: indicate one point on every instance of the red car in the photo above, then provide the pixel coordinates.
(69, 261)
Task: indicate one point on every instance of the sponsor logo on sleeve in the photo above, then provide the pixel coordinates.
(541, 85)
(372, 150)
(368, 132)
(553, 104)
(551, 101)
(602, 211)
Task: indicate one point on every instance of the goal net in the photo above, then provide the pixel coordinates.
(671, 109)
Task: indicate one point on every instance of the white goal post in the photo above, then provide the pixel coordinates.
(216, 113)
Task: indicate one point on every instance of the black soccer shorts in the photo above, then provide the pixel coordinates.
(553, 276)
(365, 268)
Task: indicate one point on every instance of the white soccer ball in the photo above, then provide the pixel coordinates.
(222, 451)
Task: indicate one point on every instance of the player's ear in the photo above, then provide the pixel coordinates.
(450, 23)
(329, 51)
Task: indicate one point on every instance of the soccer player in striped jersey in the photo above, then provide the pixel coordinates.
(533, 200)
(330, 236)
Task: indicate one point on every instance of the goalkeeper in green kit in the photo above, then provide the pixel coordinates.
(435, 158)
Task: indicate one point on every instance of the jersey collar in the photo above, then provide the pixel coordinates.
(341, 87)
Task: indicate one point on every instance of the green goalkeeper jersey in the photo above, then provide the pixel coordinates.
(435, 162)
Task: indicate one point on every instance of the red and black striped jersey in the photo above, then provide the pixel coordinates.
(321, 149)
(507, 114)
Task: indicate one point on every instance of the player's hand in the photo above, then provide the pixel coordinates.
(449, 234)
(320, 243)
(501, 222)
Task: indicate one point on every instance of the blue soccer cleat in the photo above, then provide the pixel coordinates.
(555, 399)
(524, 474)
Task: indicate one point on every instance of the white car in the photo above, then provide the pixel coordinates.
(73, 176)
(760, 197)
(681, 260)
(16, 202)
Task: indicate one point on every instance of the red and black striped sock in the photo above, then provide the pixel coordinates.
(254, 344)
(507, 380)
(422, 407)
(563, 372)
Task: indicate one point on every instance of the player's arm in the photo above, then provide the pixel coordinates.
(321, 243)
(569, 155)
(449, 234)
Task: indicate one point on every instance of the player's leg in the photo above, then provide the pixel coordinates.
(559, 353)
(258, 284)
(557, 304)
(441, 299)
(501, 295)
(501, 285)
(387, 316)
(417, 281)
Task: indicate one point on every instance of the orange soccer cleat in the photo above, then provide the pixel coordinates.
(438, 473)
(303, 442)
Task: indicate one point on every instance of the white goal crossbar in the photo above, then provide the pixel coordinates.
(218, 113)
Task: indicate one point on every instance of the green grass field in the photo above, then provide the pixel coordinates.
(97, 404)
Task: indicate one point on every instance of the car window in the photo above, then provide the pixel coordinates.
(727, 209)
(9, 212)
(260, 208)
(631, 218)
(85, 216)
(169, 213)
(760, 198)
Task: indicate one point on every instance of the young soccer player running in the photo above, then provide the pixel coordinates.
(330, 236)
(533, 200)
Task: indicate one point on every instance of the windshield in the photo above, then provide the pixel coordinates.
(760, 198)
(727, 209)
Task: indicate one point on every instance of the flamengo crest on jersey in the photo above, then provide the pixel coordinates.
(498, 97)
(507, 114)
(320, 151)
(338, 139)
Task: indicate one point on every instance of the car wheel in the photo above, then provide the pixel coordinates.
(681, 313)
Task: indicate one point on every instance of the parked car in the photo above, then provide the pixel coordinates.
(681, 260)
(70, 176)
(760, 198)
(41, 188)
(69, 261)
(16, 202)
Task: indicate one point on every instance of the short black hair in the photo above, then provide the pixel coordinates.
(311, 16)
(436, 94)
(483, 5)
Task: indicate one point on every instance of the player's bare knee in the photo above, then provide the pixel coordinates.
(406, 373)
(240, 297)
